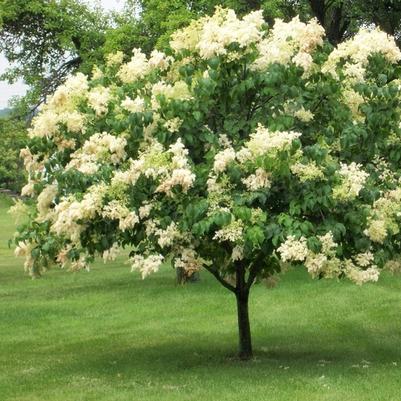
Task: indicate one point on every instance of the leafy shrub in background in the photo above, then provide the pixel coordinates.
(13, 137)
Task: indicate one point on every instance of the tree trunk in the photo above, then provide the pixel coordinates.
(241, 291)
(244, 329)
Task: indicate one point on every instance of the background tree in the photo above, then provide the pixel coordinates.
(241, 150)
(45, 41)
(342, 18)
(13, 137)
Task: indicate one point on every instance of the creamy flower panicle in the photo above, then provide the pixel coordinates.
(326, 263)
(211, 36)
(290, 42)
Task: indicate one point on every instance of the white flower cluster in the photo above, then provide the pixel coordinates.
(232, 232)
(356, 53)
(24, 249)
(328, 245)
(361, 276)
(67, 214)
(146, 265)
(304, 115)
(139, 65)
(383, 168)
(66, 97)
(262, 142)
(80, 264)
(377, 230)
(62, 256)
(353, 180)
(144, 210)
(60, 108)
(224, 28)
(353, 100)
(152, 162)
(178, 91)
(385, 216)
(133, 106)
(28, 189)
(290, 42)
(257, 181)
(179, 173)
(307, 172)
(222, 159)
(31, 162)
(360, 270)
(100, 147)
(189, 261)
(324, 262)
(170, 167)
(210, 36)
(173, 125)
(168, 236)
(114, 59)
(116, 210)
(98, 99)
(298, 111)
(393, 265)
(296, 250)
(45, 124)
(135, 69)
(70, 215)
(219, 196)
(45, 199)
(293, 249)
(111, 253)
(364, 259)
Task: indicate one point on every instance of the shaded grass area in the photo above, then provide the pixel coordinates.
(108, 335)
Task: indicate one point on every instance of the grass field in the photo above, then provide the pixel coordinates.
(108, 335)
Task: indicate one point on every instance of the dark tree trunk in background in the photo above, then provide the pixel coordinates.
(253, 4)
(332, 17)
(183, 278)
(244, 328)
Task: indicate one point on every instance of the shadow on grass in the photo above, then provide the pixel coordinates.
(179, 356)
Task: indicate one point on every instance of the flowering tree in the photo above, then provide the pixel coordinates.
(244, 150)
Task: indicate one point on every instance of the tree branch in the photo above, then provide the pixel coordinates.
(220, 279)
(51, 82)
(319, 9)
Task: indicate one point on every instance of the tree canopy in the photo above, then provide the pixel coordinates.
(243, 149)
(47, 40)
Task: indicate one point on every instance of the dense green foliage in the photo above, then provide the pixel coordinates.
(13, 137)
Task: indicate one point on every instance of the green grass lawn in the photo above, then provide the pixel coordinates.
(108, 335)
